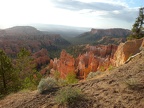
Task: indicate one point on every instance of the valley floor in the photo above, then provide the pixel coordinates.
(123, 87)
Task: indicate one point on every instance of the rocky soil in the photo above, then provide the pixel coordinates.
(122, 87)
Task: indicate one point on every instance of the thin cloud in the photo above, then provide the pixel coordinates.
(78, 5)
(127, 15)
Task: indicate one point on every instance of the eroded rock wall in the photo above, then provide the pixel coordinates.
(127, 49)
(65, 64)
(97, 58)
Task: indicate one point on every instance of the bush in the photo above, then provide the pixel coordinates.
(46, 84)
(110, 67)
(71, 78)
(1, 96)
(68, 95)
(62, 82)
(57, 75)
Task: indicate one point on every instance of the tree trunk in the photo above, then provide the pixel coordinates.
(4, 82)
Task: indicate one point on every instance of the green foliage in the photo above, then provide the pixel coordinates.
(76, 50)
(46, 84)
(8, 75)
(137, 30)
(29, 77)
(19, 74)
(68, 95)
(62, 82)
(27, 83)
(71, 78)
(57, 75)
(110, 67)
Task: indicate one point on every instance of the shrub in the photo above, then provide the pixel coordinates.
(57, 75)
(1, 96)
(68, 95)
(71, 78)
(27, 83)
(62, 82)
(46, 84)
(110, 67)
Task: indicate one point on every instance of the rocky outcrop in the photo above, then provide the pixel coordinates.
(96, 58)
(127, 49)
(65, 64)
(118, 32)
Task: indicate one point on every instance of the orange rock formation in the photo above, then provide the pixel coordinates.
(97, 58)
(65, 64)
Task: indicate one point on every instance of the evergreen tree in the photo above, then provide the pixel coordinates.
(28, 75)
(137, 30)
(8, 75)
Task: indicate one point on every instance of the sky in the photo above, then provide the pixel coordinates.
(79, 13)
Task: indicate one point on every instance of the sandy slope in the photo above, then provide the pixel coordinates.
(109, 90)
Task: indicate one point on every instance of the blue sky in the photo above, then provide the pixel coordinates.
(80, 13)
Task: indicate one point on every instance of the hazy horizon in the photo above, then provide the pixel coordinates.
(75, 13)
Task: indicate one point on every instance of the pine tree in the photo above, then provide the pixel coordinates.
(28, 75)
(8, 76)
(137, 30)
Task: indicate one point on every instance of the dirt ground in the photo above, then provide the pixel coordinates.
(122, 87)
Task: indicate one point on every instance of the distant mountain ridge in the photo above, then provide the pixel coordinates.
(115, 32)
(96, 34)
(64, 31)
(15, 38)
(118, 32)
(20, 30)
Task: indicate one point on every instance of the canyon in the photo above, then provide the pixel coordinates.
(96, 58)
(15, 38)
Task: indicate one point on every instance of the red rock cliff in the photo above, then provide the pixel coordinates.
(96, 58)
(65, 64)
